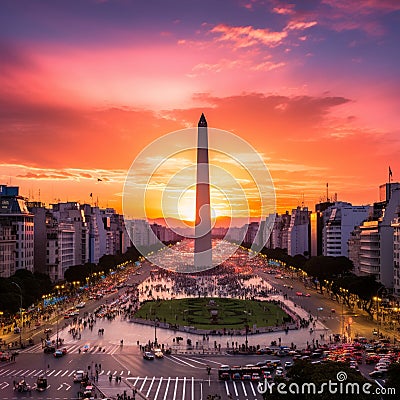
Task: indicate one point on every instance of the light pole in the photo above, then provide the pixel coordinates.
(58, 309)
(377, 299)
(20, 312)
(343, 291)
(155, 331)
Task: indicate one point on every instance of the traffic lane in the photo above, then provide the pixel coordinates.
(310, 304)
(169, 365)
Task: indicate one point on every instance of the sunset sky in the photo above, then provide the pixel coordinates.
(313, 86)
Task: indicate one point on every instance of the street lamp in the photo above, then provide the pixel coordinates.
(343, 291)
(377, 299)
(20, 312)
(155, 331)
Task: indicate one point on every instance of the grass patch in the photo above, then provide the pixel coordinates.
(214, 313)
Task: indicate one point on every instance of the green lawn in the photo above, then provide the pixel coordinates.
(214, 313)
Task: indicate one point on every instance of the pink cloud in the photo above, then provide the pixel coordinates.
(300, 25)
(245, 36)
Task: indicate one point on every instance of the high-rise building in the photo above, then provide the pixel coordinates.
(318, 221)
(8, 244)
(377, 240)
(54, 243)
(341, 219)
(279, 233)
(354, 245)
(202, 242)
(73, 213)
(396, 254)
(14, 215)
(299, 232)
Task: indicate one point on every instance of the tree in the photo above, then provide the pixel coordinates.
(327, 268)
(393, 377)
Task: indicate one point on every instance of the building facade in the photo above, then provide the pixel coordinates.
(15, 215)
(341, 218)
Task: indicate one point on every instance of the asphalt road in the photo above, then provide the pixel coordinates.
(174, 377)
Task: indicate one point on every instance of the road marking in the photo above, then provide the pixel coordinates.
(226, 388)
(10, 373)
(115, 372)
(65, 373)
(39, 372)
(144, 381)
(184, 362)
(3, 372)
(175, 388)
(17, 373)
(122, 372)
(201, 390)
(24, 373)
(30, 373)
(198, 362)
(244, 389)
(151, 384)
(166, 389)
(58, 373)
(102, 372)
(109, 372)
(71, 372)
(235, 388)
(51, 373)
(192, 388)
(158, 389)
(134, 384)
(129, 372)
(184, 388)
(252, 388)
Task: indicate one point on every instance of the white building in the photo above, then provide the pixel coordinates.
(341, 219)
(377, 240)
(299, 232)
(396, 254)
(72, 213)
(140, 233)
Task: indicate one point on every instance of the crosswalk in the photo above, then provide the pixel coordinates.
(74, 348)
(190, 388)
(31, 373)
(242, 390)
(154, 388)
(169, 388)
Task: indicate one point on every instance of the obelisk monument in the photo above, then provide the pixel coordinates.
(202, 242)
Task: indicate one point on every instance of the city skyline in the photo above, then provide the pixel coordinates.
(311, 87)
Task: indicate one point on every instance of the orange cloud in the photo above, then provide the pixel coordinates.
(245, 36)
